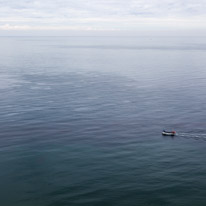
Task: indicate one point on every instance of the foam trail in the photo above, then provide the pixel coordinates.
(193, 135)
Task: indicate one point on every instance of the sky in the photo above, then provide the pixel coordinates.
(100, 15)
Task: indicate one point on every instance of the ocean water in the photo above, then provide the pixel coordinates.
(81, 121)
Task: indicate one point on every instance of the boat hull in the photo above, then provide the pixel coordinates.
(168, 133)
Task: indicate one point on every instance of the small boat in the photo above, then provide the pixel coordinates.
(166, 133)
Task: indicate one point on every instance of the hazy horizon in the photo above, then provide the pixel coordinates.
(149, 33)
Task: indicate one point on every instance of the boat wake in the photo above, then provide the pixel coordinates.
(196, 136)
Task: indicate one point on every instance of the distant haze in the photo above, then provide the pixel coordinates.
(101, 15)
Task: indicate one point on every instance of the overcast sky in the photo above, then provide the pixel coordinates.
(101, 14)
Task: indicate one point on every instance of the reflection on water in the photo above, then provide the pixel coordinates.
(81, 124)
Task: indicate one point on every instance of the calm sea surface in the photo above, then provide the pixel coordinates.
(81, 121)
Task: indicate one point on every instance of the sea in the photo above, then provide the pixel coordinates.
(81, 119)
